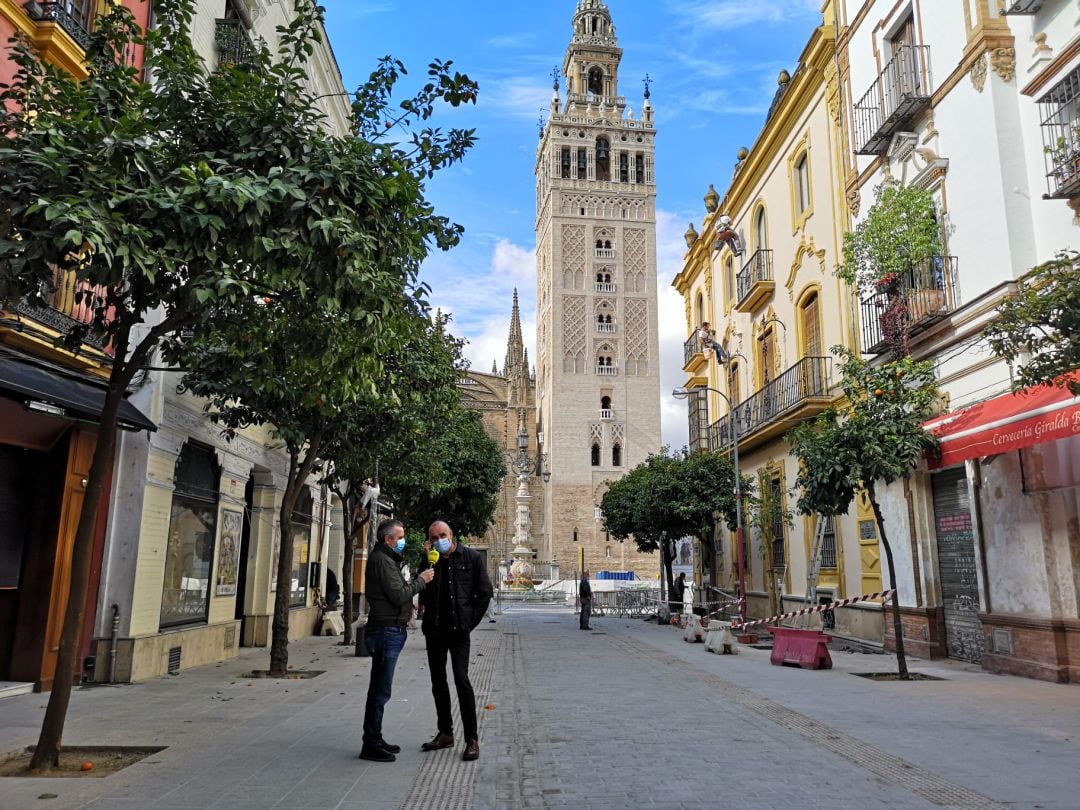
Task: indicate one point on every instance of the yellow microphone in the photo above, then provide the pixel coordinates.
(433, 556)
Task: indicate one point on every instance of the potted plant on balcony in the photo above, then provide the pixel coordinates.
(900, 232)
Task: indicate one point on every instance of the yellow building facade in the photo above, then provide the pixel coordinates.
(759, 274)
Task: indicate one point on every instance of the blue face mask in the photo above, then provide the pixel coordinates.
(442, 545)
(400, 547)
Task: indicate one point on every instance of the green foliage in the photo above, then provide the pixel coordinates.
(454, 476)
(899, 231)
(1038, 330)
(765, 512)
(672, 496)
(877, 435)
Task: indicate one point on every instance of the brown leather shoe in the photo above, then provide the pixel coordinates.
(472, 751)
(440, 741)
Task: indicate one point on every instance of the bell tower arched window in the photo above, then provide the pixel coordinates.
(605, 403)
(596, 454)
(616, 455)
(603, 159)
(596, 75)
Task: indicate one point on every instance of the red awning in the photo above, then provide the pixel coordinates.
(1007, 422)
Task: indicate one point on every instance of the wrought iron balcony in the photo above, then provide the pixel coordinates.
(693, 354)
(1061, 137)
(899, 93)
(920, 297)
(234, 45)
(754, 283)
(71, 303)
(803, 387)
(73, 16)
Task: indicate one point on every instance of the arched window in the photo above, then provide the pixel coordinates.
(189, 552)
(599, 278)
(575, 534)
(599, 318)
(729, 277)
(700, 309)
(811, 326)
(607, 551)
(616, 455)
(596, 75)
(565, 170)
(596, 454)
(761, 233)
(607, 319)
(734, 392)
(582, 164)
(605, 403)
(607, 244)
(603, 161)
(599, 244)
(802, 184)
(624, 170)
(300, 531)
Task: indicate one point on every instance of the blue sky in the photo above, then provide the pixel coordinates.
(714, 66)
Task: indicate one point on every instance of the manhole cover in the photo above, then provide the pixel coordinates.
(893, 676)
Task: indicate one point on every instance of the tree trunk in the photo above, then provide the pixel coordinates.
(298, 474)
(898, 626)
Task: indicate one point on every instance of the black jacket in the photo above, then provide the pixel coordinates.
(463, 572)
(584, 589)
(389, 596)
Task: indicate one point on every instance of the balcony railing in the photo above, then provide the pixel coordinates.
(692, 349)
(606, 328)
(605, 253)
(755, 280)
(74, 16)
(605, 286)
(807, 379)
(607, 414)
(70, 304)
(1061, 136)
(925, 294)
(607, 371)
(900, 92)
(234, 45)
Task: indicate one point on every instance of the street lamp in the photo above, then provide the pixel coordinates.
(524, 467)
(683, 393)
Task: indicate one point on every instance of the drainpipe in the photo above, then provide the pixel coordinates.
(113, 639)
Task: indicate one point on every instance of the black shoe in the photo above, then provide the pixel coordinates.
(374, 754)
(393, 749)
(440, 741)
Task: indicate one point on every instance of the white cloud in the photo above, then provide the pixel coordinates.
(670, 248)
(728, 14)
(517, 96)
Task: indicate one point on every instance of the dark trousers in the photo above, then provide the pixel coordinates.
(586, 612)
(384, 644)
(457, 645)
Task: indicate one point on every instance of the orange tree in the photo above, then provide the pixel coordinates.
(875, 437)
(187, 197)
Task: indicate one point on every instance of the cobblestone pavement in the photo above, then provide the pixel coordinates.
(628, 715)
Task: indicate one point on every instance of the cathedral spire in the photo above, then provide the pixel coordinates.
(514, 344)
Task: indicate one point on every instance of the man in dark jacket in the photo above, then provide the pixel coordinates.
(585, 597)
(389, 599)
(452, 609)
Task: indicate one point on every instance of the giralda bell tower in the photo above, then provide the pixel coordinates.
(598, 375)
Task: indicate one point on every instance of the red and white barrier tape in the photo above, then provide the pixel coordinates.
(817, 609)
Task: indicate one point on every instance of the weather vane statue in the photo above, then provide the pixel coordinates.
(647, 81)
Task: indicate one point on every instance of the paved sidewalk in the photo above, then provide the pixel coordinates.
(236, 742)
(631, 715)
(628, 715)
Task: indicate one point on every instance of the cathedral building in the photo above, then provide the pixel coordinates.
(506, 401)
(598, 375)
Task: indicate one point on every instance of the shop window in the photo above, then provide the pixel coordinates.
(189, 553)
(300, 535)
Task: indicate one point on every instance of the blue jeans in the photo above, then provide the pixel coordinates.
(384, 644)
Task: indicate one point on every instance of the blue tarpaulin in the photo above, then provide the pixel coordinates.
(623, 575)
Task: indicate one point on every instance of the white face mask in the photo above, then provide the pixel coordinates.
(442, 545)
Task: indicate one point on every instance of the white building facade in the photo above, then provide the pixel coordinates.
(975, 101)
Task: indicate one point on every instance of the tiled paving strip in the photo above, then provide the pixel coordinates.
(931, 787)
(444, 780)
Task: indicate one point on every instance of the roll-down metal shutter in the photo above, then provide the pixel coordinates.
(956, 565)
